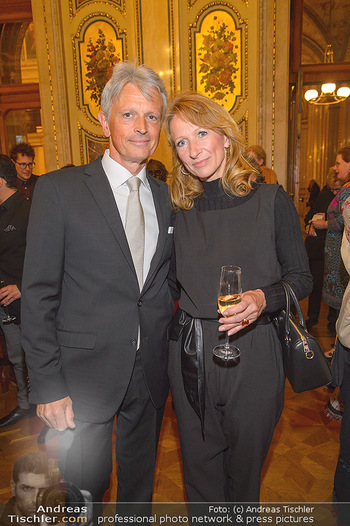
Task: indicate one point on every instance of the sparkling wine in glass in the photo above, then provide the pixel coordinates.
(9, 318)
(229, 294)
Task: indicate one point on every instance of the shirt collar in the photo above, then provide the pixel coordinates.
(117, 175)
(22, 182)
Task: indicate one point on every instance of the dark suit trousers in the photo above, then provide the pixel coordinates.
(85, 453)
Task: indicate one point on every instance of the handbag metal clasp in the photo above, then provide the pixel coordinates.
(309, 354)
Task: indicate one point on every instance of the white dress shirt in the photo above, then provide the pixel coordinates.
(117, 176)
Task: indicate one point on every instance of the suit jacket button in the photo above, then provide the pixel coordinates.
(133, 341)
(139, 303)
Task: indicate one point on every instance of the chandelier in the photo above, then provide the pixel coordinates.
(329, 92)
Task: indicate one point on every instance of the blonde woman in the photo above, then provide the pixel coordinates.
(226, 412)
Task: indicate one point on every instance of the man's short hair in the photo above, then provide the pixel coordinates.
(30, 463)
(259, 152)
(143, 77)
(8, 171)
(24, 148)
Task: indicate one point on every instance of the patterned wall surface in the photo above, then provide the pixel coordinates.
(192, 44)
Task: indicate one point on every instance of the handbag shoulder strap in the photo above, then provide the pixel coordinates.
(290, 295)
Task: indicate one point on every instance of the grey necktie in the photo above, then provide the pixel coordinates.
(135, 226)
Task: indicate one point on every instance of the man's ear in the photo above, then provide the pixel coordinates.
(104, 124)
(13, 487)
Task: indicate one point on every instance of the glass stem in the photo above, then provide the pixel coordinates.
(227, 341)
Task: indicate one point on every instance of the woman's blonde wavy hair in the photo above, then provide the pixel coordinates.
(205, 113)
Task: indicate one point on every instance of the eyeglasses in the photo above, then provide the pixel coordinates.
(23, 166)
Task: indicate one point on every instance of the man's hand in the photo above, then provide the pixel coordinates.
(8, 294)
(58, 414)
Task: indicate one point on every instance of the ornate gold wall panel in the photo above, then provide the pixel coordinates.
(233, 50)
(137, 30)
(98, 45)
(218, 44)
(95, 38)
(214, 55)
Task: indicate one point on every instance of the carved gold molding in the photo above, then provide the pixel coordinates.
(243, 126)
(274, 83)
(244, 24)
(74, 7)
(122, 33)
(173, 50)
(139, 33)
(191, 3)
(50, 84)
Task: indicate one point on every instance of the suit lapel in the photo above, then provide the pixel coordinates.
(6, 218)
(102, 193)
(161, 208)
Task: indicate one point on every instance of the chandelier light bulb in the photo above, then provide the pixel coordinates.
(344, 91)
(328, 88)
(311, 94)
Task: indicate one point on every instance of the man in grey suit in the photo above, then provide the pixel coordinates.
(94, 332)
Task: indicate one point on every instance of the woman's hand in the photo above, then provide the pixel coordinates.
(8, 294)
(320, 224)
(246, 312)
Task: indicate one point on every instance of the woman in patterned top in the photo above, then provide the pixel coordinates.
(335, 275)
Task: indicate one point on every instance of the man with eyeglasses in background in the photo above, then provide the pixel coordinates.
(23, 155)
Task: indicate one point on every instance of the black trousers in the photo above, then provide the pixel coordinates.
(85, 453)
(242, 406)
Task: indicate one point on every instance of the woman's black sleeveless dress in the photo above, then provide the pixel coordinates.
(242, 403)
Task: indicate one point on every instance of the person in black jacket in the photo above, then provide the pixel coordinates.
(95, 320)
(14, 215)
(314, 244)
(314, 190)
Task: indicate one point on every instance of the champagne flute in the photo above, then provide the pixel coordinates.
(229, 294)
(9, 318)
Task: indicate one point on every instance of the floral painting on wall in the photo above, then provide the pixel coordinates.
(100, 50)
(218, 49)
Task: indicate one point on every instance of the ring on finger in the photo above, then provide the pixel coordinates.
(245, 322)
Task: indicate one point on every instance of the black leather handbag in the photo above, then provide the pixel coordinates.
(305, 364)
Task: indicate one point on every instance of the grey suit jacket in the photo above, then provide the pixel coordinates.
(81, 305)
